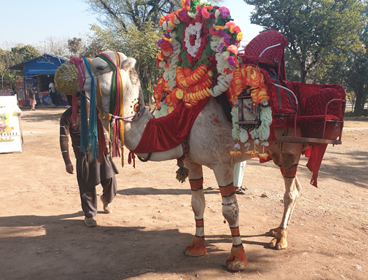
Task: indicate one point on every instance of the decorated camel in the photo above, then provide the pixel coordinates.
(217, 107)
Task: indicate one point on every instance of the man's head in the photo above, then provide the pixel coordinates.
(70, 98)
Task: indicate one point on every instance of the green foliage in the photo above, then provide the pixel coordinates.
(75, 45)
(352, 72)
(313, 28)
(16, 55)
(140, 44)
(24, 53)
(92, 49)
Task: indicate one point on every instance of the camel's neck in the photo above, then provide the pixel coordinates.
(134, 130)
(133, 134)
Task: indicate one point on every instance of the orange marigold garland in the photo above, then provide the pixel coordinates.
(250, 76)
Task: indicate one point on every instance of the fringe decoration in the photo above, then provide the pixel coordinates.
(116, 105)
(78, 62)
(101, 139)
(84, 124)
(92, 128)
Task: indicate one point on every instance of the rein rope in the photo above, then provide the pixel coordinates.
(116, 104)
(92, 143)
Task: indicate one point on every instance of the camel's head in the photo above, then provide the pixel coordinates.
(70, 76)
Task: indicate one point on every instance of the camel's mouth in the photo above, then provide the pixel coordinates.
(66, 79)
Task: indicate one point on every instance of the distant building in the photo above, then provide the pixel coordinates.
(39, 72)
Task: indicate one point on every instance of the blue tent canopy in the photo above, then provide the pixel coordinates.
(42, 65)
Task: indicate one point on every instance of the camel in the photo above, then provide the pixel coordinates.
(210, 141)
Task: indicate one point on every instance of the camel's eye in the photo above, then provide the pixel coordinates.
(101, 68)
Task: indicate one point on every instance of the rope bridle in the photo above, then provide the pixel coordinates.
(116, 115)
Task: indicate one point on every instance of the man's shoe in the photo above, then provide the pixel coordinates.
(90, 222)
(106, 206)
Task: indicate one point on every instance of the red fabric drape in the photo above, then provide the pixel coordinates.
(167, 132)
(315, 155)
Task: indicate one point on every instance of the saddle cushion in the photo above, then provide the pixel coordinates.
(316, 104)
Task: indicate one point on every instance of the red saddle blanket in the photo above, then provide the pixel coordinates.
(167, 132)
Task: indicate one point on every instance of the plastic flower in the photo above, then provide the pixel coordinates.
(205, 13)
(159, 42)
(217, 13)
(230, 23)
(239, 37)
(224, 12)
(237, 29)
(227, 38)
(166, 48)
(233, 49)
(231, 60)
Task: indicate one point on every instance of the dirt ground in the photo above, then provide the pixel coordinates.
(42, 234)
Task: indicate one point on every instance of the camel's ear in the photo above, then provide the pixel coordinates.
(128, 64)
(122, 56)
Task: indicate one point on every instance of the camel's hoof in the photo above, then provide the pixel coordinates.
(278, 245)
(197, 254)
(273, 243)
(236, 266)
(280, 240)
(237, 260)
(196, 249)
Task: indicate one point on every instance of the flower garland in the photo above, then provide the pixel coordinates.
(194, 69)
(250, 76)
(187, 33)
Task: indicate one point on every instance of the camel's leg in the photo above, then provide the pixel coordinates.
(230, 210)
(290, 157)
(197, 247)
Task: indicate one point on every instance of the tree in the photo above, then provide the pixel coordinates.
(6, 61)
(121, 13)
(93, 49)
(140, 44)
(24, 53)
(313, 29)
(352, 72)
(17, 55)
(75, 45)
(54, 45)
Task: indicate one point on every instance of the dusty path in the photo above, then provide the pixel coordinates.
(42, 235)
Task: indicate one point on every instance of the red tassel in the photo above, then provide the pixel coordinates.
(115, 139)
(74, 110)
(131, 157)
(101, 139)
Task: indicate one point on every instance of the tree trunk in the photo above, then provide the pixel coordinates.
(303, 75)
(359, 104)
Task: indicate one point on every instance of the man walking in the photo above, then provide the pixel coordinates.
(32, 97)
(88, 175)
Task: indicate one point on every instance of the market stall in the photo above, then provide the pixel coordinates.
(38, 72)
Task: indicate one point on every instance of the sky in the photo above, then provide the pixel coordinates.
(32, 21)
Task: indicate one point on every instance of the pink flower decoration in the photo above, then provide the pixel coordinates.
(231, 60)
(230, 23)
(205, 13)
(233, 49)
(224, 12)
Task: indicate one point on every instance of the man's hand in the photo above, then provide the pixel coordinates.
(69, 168)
